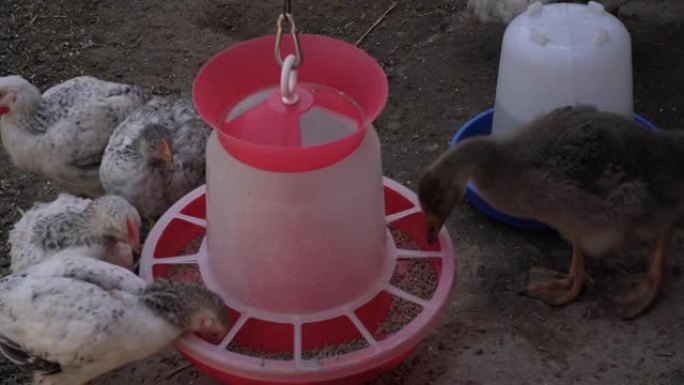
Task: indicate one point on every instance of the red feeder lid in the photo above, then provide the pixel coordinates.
(340, 91)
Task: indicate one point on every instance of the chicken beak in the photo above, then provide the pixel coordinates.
(133, 234)
(433, 224)
(165, 152)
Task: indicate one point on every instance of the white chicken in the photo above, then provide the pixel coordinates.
(503, 11)
(62, 133)
(71, 318)
(108, 228)
(156, 155)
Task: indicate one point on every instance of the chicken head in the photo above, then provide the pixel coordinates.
(17, 93)
(113, 216)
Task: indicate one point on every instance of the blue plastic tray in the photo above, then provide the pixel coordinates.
(482, 125)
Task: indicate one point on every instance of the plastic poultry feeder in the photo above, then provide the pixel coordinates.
(322, 262)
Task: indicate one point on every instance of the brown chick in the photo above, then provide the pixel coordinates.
(600, 179)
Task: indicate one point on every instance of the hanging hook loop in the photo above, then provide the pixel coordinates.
(288, 81)
(287, 16)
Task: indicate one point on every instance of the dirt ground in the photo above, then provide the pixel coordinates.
(442, 71)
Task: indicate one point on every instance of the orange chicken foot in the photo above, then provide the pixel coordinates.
(639, 299)
(555, 288)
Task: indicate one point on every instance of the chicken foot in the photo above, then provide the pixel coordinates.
(639, 299)
(555, 288)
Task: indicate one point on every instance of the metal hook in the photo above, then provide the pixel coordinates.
(295, 38)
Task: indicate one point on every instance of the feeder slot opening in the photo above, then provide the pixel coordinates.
(402, 313)
(262, 339)
(417, 276)
(402, 240)
(181, 231)
(408, 232)
(362, 329)
(331, 339)
(196, 208)
(395, 202)
(239, 323)
(397, 312)
(185, 272)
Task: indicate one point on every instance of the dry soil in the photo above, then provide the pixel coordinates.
(442, 71)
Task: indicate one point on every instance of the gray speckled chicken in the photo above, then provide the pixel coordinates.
(600, 179)
(71, 318)
(62, 133)
(156, 155)
(503, 11)
(108, 228)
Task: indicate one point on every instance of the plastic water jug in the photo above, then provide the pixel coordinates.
(562, 54)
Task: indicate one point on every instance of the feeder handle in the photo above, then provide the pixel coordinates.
(288, 81)
(293, 31)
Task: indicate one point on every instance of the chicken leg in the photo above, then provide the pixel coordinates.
(557, 289)
(637, 300)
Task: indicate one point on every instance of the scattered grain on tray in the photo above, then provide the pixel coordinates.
(416, 276)
(258, 353)
(401, 313)
(403, 240)
(193, 246)
(185, 272)
(335, 350)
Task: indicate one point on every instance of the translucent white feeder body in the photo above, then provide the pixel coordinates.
(298, 242)
(562, 54)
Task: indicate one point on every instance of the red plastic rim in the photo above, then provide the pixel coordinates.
(248, 67)
(186, 221)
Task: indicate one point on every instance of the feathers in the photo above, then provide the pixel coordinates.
(63, 133)
(99, 318)
(130, 167)
(70, 222)
(27, 361)
(96, 320)
(599, 178)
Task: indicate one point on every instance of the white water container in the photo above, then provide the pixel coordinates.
(562, 54)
